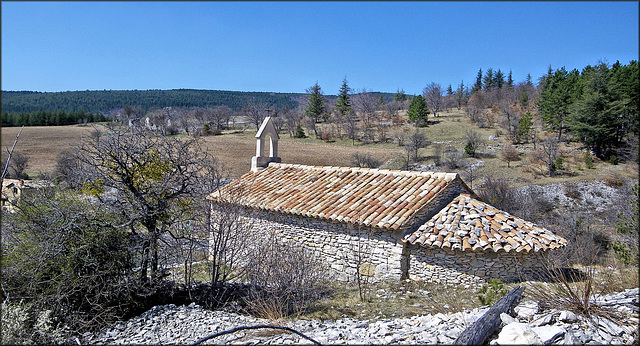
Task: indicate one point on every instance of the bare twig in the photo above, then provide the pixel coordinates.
(260, 326)
(6, 165)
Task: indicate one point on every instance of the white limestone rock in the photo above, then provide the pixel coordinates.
(517, 334)
(549, 334)
(526, 309)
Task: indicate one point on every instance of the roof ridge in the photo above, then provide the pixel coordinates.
(445, 175)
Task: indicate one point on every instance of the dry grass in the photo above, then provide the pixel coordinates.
(389, 300)
(43, 143)
(234, 150)
(575, 291)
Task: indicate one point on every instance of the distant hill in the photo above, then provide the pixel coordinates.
(105, 100)
(102, 101)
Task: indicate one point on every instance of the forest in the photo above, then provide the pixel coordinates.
(32, 108)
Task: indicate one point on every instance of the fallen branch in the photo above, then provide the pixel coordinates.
(480, 330)
(229, 331)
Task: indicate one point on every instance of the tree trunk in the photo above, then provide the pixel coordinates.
(479, 331)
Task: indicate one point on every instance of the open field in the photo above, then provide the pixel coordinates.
(43, 143)
(235, 149)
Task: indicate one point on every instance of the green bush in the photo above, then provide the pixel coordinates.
(470, 149)
(300, 132)
(622, 252)
(588, 160)
(60, 250)
(613, 160)
(489, 294)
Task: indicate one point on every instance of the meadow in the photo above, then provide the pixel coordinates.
(234, 149)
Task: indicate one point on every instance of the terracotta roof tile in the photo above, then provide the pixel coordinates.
(387, 199)
(481, 227)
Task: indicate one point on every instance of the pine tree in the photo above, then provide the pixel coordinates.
(343, 104)
(559, 90)
(510, 80)
(315, 105)
(418, 111)
(478, 85)
(488, 79)
(597, 115)
(498, 79)
(461, 94)
(400, 95)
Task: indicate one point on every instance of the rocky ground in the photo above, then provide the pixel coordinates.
(170, 324)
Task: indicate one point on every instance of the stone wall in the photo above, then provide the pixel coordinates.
(344, 249)
(457, 267)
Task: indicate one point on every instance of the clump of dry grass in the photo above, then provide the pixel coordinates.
(393, 300)
(575, 289)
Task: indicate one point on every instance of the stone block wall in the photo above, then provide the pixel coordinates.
(458, 267)
(345, 251)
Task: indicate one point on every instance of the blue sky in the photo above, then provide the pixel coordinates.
(288, 46)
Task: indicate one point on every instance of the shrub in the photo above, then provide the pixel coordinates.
(588, 160)
(574, 290)
(299, 132)
(325, 136)
(364, 160)
(60, 251)
(622, 252)
(470, 149)
(559, 164)
(613, 160)
(285, 279)
(489, 294)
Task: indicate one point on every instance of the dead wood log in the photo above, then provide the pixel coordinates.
(480, 330)
(233, 330)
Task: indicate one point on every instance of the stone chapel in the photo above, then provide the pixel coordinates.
(427, 226)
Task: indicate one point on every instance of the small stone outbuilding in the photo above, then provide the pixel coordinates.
(390, 224)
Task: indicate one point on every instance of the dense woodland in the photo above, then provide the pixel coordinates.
(104, 101)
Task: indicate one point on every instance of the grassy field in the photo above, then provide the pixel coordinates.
(235, 149)
(43, 143)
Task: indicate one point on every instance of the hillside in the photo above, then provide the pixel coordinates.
(102, 101)
(105, 100)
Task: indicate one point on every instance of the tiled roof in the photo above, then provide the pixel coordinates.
(386, 199)
(468, 224)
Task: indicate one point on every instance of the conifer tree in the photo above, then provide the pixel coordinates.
(418, 111)
(343, 105)
(478, 85)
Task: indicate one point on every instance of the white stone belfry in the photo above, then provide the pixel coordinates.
(267, 130)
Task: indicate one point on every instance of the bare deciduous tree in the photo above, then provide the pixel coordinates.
(452, 158)
(255, 111)
(220, 116)
(366, 105)
(509, 153)
(550, 146)
(434, 96)
(16, 166)
(414, 143)
(150, 180)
